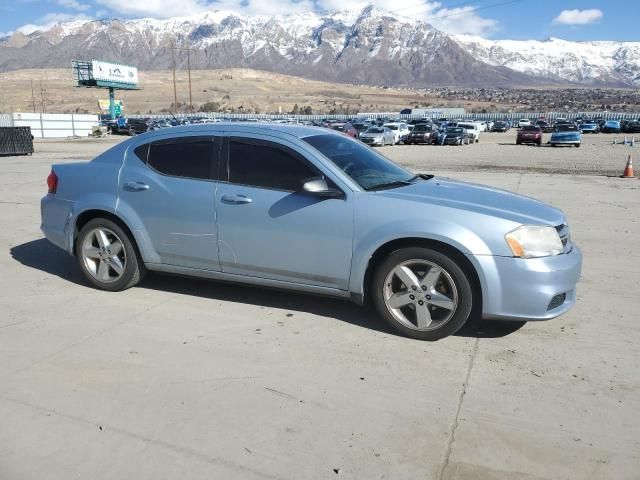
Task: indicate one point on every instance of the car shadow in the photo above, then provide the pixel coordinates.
(44, 256)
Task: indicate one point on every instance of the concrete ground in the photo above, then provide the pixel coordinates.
(182, 378)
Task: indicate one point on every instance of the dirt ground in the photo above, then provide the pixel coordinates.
(256, 91)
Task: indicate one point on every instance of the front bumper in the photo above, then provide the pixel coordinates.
(528, 289)
(372, 141)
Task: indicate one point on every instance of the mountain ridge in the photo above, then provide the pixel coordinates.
(368, 46)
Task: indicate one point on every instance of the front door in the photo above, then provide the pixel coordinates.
(169, 185)
(268, 229)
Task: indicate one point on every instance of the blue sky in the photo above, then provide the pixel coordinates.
(512, 19)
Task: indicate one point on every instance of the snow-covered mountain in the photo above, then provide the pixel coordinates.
(608, 63)
(356, 46)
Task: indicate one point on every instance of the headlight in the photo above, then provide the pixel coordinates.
(378, 139)
(534, 241)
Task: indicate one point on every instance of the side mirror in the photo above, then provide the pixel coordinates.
(318, 187)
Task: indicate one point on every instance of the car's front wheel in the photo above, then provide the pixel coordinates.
(107, 256)
(422, 293)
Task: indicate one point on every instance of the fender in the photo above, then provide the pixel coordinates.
(452, 234)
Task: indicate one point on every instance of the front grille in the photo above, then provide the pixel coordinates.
(557, 301)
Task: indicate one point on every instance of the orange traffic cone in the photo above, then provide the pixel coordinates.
(628, 170)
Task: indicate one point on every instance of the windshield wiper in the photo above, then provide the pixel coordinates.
(398, 183)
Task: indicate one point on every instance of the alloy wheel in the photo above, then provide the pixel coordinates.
(104, 255)
(420, 295)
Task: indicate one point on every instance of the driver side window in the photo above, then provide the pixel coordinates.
(266, 165)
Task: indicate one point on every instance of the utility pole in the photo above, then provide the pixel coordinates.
(189, 73)
(33, 98)
(173, 63)
(42, 97)
(173, 60)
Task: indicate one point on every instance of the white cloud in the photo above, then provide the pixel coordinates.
(578, 17)
(50, 20)
(74, 5)
(172, 8)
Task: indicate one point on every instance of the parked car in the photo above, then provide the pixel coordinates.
(529, 134)
(454, 136)
(311, 210)
(423, 133)
(346, 128)
(589, 127)
(524, 122)
(632, 126)
(378, 136)
(566, 134)
(472, 129)
(500, 126)
(360, 128)
(400, 130)
(544, 126)
(611, 126)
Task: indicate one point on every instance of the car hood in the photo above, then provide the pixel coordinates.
(480, 199)
(371, 135)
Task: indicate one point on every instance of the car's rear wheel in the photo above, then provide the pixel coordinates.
(107, 256)
(422, 293)
(577, 145)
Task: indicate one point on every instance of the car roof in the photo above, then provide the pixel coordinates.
(299, 131)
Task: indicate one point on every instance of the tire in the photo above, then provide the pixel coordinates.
(96, 254)
(454, 290)
(577, 145)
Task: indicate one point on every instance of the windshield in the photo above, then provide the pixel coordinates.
(422, 128)
(392, 127)
(453, 131)
(363, 164)
(467, 126)
(530, 128)
(375, 130)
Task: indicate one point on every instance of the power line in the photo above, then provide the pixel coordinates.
(466, 12)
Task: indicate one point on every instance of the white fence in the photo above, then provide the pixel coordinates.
(6, 120)
(55, 125)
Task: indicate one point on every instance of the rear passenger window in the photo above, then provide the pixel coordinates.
(261, 164)
(182, 157)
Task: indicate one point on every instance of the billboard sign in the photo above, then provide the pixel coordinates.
(114, 72)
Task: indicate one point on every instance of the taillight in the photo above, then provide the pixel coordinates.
(52, 182)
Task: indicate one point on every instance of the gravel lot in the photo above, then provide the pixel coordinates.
(182, 378)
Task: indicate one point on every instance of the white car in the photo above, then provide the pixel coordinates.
(400, 130)
(524, 122)
(472, 129)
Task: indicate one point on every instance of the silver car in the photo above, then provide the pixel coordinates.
(311, 210)
(378, 136)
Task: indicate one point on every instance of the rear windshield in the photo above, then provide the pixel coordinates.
(530, 128)
(566, 128)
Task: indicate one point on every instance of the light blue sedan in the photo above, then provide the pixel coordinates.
(311, 210)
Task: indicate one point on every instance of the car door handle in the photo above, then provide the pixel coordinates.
(136, 186)
(235, 199)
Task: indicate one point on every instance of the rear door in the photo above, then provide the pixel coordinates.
(169, 186)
